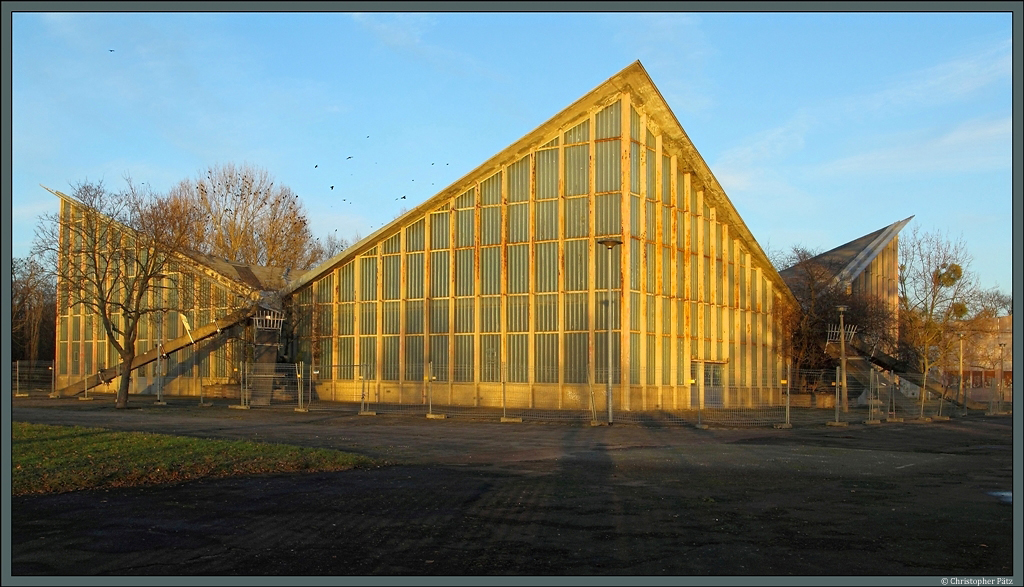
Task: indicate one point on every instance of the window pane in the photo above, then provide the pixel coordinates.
(577, 217)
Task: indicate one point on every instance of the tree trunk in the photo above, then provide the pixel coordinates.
(924, 385)
(33, 333)
(126, 379)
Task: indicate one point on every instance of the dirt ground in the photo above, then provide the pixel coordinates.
(487, 498)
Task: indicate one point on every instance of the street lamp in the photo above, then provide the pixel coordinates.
(960, 392)
(842, 354)
(610, 244)
(1002, 374)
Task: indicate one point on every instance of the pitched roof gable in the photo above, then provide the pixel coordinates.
(633, 80)
(851, 259)
(244, 278)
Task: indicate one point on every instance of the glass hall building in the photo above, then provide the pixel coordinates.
(506, 287)
(503, 277)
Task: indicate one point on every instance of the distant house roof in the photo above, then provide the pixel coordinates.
(851, 259)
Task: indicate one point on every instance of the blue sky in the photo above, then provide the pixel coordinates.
(820, 127)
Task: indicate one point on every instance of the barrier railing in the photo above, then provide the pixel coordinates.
(807, 398)
(31, 376)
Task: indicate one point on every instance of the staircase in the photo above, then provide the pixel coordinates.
(200, 333)
(859, 364)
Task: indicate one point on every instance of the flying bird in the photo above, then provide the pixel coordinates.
(332, 187)
(315, 166)
(111, 50)
(349, 157)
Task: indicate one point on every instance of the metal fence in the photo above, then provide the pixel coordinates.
(518, 394)
(875, 395)
(29, 376)
(271, 384)
(948, 399)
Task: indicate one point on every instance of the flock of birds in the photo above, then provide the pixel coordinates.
(403, 197)
(316, 166)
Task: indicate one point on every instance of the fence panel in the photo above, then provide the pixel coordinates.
(31, 376)
(270, 385)
(515, 393)
(334, 387)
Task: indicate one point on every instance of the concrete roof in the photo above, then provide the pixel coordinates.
(851, 259)
(256, 277)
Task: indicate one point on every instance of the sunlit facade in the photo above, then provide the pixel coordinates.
(196, 290)
(500, 280)
(495, 291)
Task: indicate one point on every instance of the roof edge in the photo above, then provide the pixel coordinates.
(868, 254)
(619, 82)
(188, 255)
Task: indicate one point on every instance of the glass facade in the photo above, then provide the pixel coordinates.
(507, 279)
(184, 291)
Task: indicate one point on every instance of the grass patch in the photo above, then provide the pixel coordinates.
(56, 459)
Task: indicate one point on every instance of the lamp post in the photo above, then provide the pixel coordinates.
(789, 377)
(842, 355)
(960, 392)
(1002, 374)
(610, 244)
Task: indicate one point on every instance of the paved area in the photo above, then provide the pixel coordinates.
(487, 498)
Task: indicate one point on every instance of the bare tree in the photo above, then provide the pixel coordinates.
(994, 301)
(780, 258)
(936, 291)
(109, 252)
(245, 217)
(334, 244)
(813, 283)
(33, 306)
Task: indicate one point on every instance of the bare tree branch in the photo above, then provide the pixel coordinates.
(108, 252)
(812, 281)
(242, 215)
(937, 290)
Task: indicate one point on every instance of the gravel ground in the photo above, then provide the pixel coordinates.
(474, 498)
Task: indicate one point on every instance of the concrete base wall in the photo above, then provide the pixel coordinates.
(187, 386)
(549, 396)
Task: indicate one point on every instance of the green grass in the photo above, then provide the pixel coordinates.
(56, 459)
